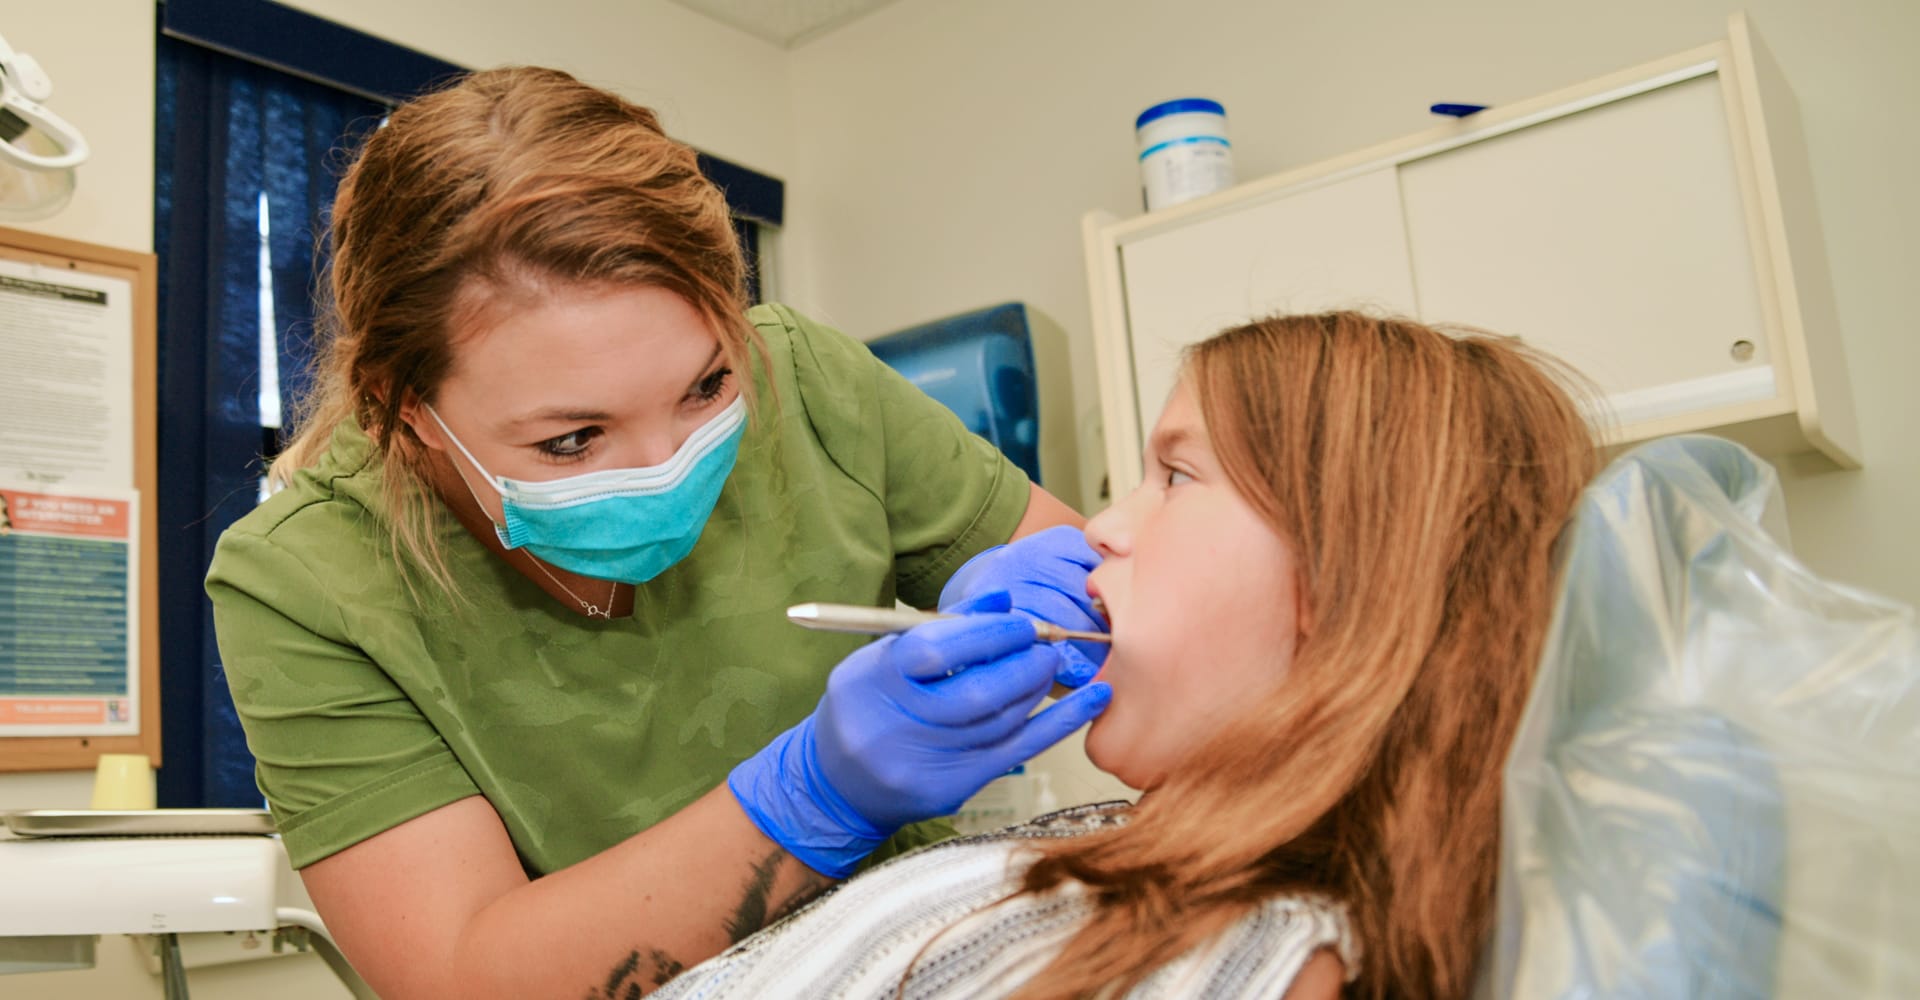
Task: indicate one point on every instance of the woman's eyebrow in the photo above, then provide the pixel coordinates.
(553, 414)
(705, 369)
(559, 414)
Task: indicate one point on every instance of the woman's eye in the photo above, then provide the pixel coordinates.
(709, 388)
(570, 445)
(1175, 477)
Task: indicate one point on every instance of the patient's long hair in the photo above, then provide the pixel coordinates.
(1421, 479)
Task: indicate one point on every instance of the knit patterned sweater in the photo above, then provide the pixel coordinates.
(859, 940)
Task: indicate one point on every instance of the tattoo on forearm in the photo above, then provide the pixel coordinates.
(626, 979)
(809, 889)
(641, 971)
(665, 967)
(757, 907)
(751, 914)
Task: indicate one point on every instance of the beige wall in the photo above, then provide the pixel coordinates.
(948, 151)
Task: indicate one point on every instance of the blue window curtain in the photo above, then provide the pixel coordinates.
(755, 201)
(228, 132)
(748, 232)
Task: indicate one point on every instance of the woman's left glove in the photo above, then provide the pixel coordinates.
(911, 726)
(1045, 574)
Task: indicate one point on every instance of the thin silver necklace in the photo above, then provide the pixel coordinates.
(591, 610)
(585, 605)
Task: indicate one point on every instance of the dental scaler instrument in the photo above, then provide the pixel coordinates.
(881, 621)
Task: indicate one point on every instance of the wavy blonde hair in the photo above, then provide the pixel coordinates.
(1421, 479)
(509, 182)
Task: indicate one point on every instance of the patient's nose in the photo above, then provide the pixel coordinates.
(1110, 531)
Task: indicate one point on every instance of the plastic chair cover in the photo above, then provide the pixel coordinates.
(1715, 789)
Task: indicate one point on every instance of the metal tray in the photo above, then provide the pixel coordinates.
(137, 822)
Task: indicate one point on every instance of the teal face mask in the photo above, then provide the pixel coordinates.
(621, 524)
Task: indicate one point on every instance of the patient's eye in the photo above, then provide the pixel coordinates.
(1174, 477)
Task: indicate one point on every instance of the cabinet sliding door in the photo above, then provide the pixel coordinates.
(1330, 245)
(1615, 238)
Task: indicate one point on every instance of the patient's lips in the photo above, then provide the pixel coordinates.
(1105, 611)
(1100, 608)
(1099, 603)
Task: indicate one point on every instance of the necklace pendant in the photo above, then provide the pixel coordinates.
(592, 610)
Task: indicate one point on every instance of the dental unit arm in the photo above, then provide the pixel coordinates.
(38, 149)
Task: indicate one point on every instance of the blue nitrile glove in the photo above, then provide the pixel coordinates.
(911, 726)
(1046, 574)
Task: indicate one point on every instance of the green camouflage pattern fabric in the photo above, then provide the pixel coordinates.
(365, 708)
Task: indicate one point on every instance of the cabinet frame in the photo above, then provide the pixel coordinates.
(1812, 406)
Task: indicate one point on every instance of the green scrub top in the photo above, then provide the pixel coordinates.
(365, 707)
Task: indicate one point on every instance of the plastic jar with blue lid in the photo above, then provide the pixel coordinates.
(1184, 151)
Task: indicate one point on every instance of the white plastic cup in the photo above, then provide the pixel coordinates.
(1184, 151)
(123, 781)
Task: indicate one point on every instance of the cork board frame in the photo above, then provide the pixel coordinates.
(141, 272)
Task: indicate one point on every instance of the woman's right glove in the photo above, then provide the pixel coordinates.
(911, 726)
(1045, 575)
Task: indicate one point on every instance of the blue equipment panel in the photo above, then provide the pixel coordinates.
(979, 365)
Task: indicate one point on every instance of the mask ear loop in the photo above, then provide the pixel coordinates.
(592, 610)
(464, 481)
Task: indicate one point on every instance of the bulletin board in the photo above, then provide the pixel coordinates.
(79, 581)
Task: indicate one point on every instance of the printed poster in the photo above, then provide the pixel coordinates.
(68, 612)
(66, 376)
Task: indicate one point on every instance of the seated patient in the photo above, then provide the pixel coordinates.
(1327, 601)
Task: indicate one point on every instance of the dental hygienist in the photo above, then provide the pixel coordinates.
(509, 645)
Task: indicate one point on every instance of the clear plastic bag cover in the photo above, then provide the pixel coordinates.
(1715, 789)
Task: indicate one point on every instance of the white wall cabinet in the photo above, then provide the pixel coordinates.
(1654, 228)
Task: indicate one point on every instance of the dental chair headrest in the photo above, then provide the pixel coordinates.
(1705, 755)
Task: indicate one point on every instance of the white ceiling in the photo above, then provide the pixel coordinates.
(785, 22)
